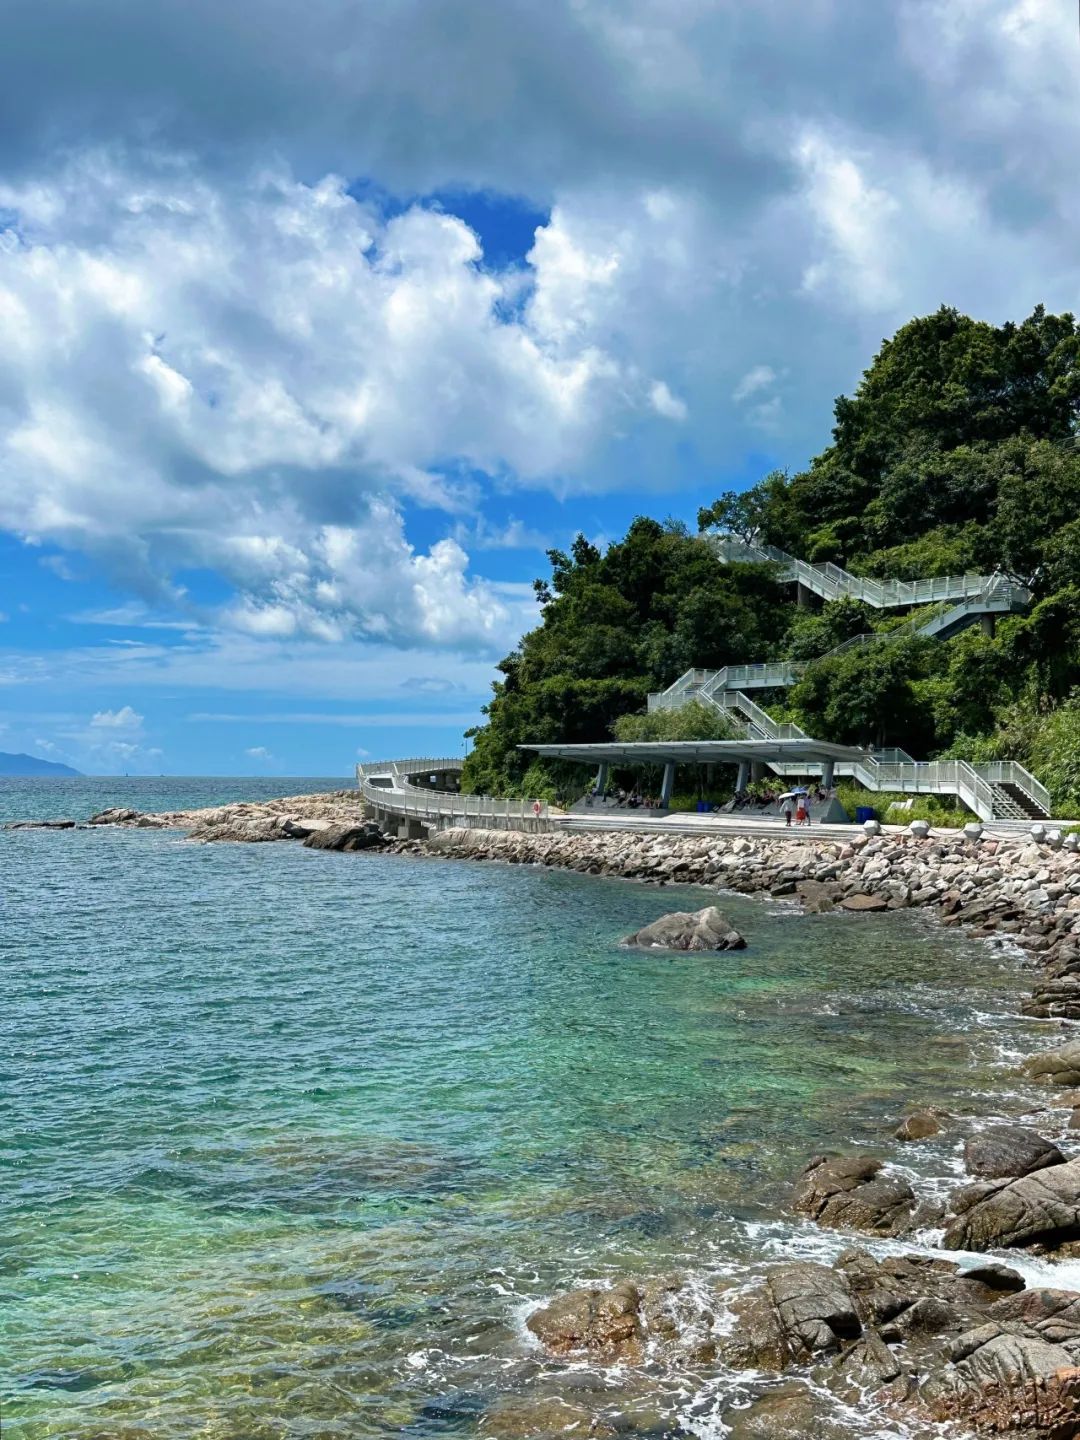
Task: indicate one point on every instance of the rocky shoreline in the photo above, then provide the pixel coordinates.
(923, 1336)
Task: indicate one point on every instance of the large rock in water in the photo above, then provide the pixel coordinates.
(803, 1310)
(1060, 1066)
(346, 837)
(1005, 1378)
(848, 1192)
(1041, 1208)
(707, 929)
(605, 1323)
(1009, 1151)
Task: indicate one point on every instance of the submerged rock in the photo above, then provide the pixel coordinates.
(1040, 1208)
(848, 1192)
(919, 1125)
(1009, 1151)
(707, 929)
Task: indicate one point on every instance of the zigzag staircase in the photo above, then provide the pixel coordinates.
(1002, 790)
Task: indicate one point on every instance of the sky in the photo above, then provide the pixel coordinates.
(321, 320)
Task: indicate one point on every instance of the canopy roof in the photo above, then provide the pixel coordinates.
(701, 752)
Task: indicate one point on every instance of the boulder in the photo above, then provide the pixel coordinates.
(1009, 1151)
(1060, 1066)
(848, 1192)
(919, 1125)
(1040, 1208)
(707, 929)
(802, 1310)
(40, 825)
(860, 901)
(1006, 1379)
(346, 837)
(604, 1323)
(815, 1307)
(116, 815)
(1054, 1314)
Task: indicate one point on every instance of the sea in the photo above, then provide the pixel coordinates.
(293, 1142)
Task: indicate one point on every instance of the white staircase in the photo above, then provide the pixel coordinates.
(1003, 790)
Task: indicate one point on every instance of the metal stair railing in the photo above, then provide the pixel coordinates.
(1011, 772)
(831, 581)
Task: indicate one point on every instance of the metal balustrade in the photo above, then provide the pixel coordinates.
(406, 801)
(831, 581)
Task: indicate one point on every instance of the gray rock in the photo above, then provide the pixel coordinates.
(814, 1305)
(1009, 1151)
(345, 837)
(605, 1323)
(1041, 1208)
(848, 1192)
(860, 902)
(1060, 1066)
(707, 929)
(919, 1125)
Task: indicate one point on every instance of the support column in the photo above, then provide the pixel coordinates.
(757, 770)
(743, 778)
(667, 788)
(828, 768)
(988, 624)
(802, 595)
(602, 778)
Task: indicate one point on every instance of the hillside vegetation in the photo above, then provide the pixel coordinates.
(957, 453)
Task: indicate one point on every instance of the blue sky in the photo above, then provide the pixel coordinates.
(318, 332)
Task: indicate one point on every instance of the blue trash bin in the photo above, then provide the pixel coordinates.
(864, 813)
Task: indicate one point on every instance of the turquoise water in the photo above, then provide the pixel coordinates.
(292, 1141)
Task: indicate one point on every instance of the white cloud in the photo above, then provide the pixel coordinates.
(209, 362)
(665, 403)
(259, 752)
(123, 719)
(298, 367)
(759, 378)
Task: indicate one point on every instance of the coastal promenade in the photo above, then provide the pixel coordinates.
(402, 794)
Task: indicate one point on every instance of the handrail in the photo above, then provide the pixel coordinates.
(831, 581)
(410, 801)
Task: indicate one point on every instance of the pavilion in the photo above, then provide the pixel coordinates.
(750, 756)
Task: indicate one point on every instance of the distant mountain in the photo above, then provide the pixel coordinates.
(31, 765)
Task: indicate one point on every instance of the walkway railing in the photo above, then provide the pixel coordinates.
(831, 582)
(386, 785)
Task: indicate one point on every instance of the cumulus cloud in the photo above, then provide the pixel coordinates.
(256, 380)
(216, 356)
(123, 719)
(258, 752)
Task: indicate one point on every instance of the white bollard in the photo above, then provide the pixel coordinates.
(973, 830)
(1054, 839)
(871, 827)
(1071, 841)
(920, 829)
(1038, 833)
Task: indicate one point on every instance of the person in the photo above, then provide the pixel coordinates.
(802, 814)
(786, 808)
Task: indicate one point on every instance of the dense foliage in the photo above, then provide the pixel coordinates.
(957, 452)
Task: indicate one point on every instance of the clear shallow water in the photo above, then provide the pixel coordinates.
(293, 1141)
